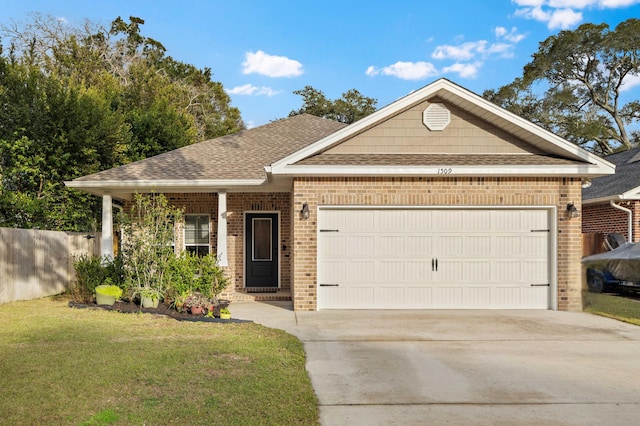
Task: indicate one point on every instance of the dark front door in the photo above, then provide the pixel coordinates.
(261, 250)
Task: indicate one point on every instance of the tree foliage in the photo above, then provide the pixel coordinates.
(78, 100)
(582, 75)
(351, 107)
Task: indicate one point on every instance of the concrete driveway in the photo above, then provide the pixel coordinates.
(464, 367)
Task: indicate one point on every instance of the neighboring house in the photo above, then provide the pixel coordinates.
(439, 200)
(611, 204)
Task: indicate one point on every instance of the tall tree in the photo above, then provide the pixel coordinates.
(351, 107)
(77, 100)
(581, 75)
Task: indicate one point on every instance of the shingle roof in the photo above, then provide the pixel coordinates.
(433, 160)
(242, 155)
(626, 178)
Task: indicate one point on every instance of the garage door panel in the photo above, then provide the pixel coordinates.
(360, 245)
(334, 271)
(390, 245)
(361, 220)
(448, 220)
(508, 245)
(358, 271)
(450, 245)
(507, 271)
(477, 297)
(389, 221)
(333, 245)
(477, 221)
(419, 245)
(477, 245)
(417, 271)
(386, 258)
(418, 220)
(390, 271)
(477, 271)
(447, 297)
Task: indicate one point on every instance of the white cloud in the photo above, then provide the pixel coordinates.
(462, 52)
(249, 89)
(405, 70)
(564, 18)
(630, 82)
(271, 65)
(511, 36)
(464, 70)
(556, 18)
(612, 4)
(564, 14)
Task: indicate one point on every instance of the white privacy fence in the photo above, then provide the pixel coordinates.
(36, 263)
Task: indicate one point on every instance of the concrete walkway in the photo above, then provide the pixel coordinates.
(464, 367)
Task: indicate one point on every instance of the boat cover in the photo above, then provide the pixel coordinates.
(623, 262)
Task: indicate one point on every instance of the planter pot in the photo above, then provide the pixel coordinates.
(196, 310)
(103, 299)
(149, 302)
(225, 316)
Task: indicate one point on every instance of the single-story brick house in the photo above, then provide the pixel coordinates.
(611, 203)
(438, 200)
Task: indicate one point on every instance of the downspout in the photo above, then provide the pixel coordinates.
(630, 213)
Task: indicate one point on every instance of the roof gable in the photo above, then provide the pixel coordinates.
(478, 127)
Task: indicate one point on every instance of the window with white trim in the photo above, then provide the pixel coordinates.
(196, 234)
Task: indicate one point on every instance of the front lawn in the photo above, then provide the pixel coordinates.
(612, 306)
(93, 367)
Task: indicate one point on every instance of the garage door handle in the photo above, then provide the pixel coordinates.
(329, 285)
(540, 285)
(434, 265)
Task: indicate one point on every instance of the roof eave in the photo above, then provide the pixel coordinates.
(103, 187)
(631, 195)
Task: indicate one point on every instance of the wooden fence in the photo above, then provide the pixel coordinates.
(36, 263)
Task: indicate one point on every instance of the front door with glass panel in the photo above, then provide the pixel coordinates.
(261, 250)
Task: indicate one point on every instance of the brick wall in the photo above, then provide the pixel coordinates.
(237, 204)
(604, 219)
(426, 191)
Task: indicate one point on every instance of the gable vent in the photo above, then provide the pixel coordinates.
(436, 117)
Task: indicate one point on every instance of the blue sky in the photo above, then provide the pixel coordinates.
(261, 51)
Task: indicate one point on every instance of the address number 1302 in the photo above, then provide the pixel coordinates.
(445, 170)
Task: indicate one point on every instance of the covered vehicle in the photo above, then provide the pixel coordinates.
(617, 267)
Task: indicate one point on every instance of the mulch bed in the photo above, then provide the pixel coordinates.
(162, 309)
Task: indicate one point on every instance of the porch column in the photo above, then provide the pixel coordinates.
(106, 245)
(223, 259)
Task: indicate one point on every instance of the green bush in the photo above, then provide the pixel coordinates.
(190, 273)
(92, 271)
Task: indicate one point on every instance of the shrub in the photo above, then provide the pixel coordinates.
(147, 244)
(191, 273)
(92, 271)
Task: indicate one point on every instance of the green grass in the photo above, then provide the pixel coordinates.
(612, 306)
(92, 367)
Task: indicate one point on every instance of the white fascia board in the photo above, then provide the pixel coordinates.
(570, 148)
(105, 186)
(631, 195)
(444, 170)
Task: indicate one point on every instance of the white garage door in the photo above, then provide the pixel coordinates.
(425, 258)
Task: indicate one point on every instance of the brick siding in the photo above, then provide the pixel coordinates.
(604, 219)
(237, 205)
(426, 191)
